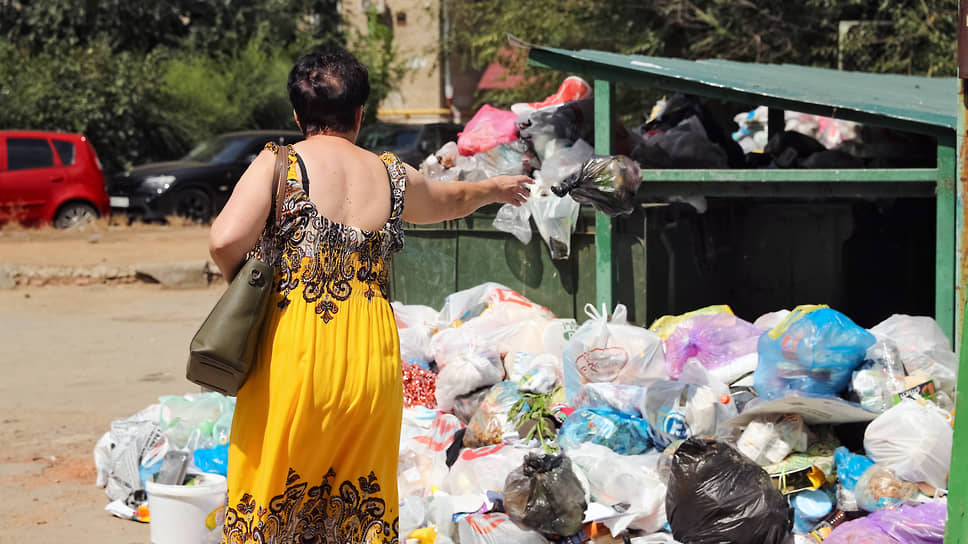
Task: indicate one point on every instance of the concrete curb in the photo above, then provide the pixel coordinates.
(173, 275)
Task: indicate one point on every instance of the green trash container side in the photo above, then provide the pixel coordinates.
(443, 258)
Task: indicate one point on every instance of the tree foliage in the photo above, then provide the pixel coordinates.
(148, 80)
(376, 50)
(919, 36)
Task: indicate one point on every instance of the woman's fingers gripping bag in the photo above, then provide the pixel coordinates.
(612, 351)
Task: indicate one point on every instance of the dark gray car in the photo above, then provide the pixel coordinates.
(198, 185)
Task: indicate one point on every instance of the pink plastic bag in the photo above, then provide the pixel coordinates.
(489, 128)
(715, 340)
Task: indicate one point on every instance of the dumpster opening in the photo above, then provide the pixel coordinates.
(867, 258)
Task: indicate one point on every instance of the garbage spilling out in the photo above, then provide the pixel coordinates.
(796, 427)
(552, 140)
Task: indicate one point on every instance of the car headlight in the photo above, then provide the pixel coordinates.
(158, 183)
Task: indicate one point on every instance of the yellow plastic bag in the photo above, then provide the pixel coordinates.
(665, 325)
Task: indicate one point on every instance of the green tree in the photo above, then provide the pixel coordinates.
(376, 50)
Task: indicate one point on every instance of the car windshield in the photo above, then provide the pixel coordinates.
(388, 137)
(219, 150)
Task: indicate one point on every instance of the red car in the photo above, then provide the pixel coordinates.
(50, 177)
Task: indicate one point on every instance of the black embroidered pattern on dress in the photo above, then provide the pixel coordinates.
(325, 256)
(353, 513)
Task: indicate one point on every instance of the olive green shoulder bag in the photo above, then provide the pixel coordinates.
(222, 353)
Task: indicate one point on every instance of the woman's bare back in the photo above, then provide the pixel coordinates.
(347, 184)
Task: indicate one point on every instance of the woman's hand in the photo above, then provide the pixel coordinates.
(511, 190)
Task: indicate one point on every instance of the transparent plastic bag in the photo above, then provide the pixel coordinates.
(555, 217)
(482, 469)
(677, 411)
(626, 399)
(621, 433)
(495, 528)
(607, 183)
(879, 488)
(466, 372)
(814, 350)
(514, 220)
(423, 456)
(714, 340)
(488, 128)
(631, 480)
(189, 422)
(923, 346)
(490, 423)
(565, 162)
(875, 382)
(914, 441)
(544, 494)
(612, 351)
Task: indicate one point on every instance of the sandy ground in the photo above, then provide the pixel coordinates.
(74, 358)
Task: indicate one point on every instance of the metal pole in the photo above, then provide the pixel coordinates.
(604, 271)
(957, 528)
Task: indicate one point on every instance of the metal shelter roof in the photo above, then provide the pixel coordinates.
(914, 103)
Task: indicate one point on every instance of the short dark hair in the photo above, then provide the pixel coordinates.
(326, 87)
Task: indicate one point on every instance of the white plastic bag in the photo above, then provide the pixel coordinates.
(555, 217)
(515, 220)
(497, 305)
(604, 350)
(624, 479)
(466, 372)
(565, 162)
(423, 456)
(534, 373)
(914, 441)
(495, 528)
(483, 469)
(923, 346)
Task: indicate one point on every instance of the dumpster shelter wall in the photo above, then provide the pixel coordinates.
(446, 257)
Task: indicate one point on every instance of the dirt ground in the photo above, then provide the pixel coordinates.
(74, 358)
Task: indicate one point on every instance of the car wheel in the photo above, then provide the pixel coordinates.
(193, 204)
(75, 214)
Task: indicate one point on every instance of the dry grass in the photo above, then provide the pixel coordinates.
(102, 225)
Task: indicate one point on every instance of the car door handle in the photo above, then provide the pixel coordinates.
(57, 179)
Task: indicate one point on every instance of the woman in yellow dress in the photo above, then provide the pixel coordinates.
(313, 453)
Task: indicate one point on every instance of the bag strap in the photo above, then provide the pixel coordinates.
(279, 176)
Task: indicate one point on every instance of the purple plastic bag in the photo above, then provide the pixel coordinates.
(922, 524)
(714, 340)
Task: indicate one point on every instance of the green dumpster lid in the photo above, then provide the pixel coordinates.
(915, 103)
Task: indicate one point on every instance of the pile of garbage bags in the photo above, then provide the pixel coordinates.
(799, 426)
(552, 141)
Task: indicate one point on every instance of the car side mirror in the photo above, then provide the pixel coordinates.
(425, 146)
(249, 158)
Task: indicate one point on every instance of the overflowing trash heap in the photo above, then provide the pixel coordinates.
(797, 427)
(521, 427)
(553, 141)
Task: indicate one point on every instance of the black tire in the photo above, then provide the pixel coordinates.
(193, 204)
(75, 214)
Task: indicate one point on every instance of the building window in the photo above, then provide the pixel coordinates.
(401, 18)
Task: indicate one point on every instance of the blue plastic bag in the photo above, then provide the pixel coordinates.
(814, 350)
(850, 466)
(623, 434)
(214, 460)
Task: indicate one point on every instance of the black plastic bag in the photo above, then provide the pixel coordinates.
(544, 495)
(717, 495)
(606, 183)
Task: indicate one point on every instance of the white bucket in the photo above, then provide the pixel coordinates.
(187, 514)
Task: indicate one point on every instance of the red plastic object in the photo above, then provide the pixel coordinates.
(489, 128)
(572, 88)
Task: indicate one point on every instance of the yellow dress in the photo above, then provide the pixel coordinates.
(313, 453)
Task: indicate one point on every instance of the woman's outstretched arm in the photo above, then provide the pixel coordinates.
(430, 201)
